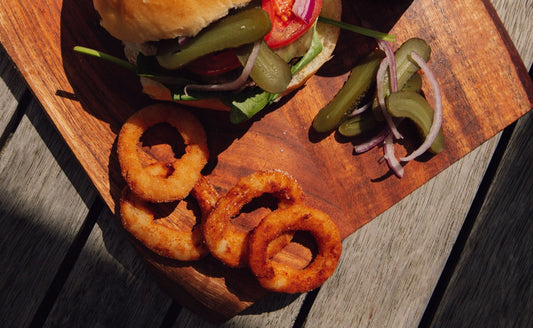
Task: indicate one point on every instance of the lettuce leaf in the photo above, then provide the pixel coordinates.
(248, 103)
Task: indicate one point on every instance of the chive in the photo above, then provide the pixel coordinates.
(358, 29)
(104, 56)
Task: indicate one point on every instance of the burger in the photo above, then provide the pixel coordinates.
(233, 55)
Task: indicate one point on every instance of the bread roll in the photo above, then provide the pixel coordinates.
(140, 21)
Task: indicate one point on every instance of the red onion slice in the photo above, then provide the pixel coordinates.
(233, 85)
(380, 78)
(303, 9)
(373, 142)
(182, 40)
(437, 109)
(360, 110)
(389, 53)
(390, 157)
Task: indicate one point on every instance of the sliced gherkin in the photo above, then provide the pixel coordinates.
(270, 72)
(415, 107)
(361, 78)
(246, 26)
(406, 67)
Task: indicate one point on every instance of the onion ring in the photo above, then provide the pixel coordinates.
(281, 277)
(171, 241)
(229, 243)
(182, 174)
(206, 195)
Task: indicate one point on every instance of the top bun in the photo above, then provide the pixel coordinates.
(140, 21)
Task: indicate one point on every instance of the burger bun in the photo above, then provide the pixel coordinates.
(139, 21)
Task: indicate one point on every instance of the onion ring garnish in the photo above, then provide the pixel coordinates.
(281, 277)
(171, 241)
(233, 85)
(390, 157)
(360, 110)
(228, 242)
(380, 86)
(389, 53)
(373, 142)
(182, 174)
(303, 9)
(437, 108)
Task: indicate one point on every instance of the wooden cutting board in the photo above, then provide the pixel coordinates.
(484, 84)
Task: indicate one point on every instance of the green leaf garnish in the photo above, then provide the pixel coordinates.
(248, 103)
(313, 51)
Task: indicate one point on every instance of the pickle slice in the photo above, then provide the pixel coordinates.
(415, 107)
(406, 67)
(270, 72)
(357, 125)
(413, 84)
(361, 79)
(246, 26)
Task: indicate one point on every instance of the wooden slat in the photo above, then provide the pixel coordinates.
(492, 283)
(42, 205)
(12, 86)
(273, 310)
(109, 286)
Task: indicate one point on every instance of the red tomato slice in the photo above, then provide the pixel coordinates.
(215, 63)
(286, 27)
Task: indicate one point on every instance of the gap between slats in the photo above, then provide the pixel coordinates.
(15, 119)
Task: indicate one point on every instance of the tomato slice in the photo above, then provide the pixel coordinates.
(215, 63)
(286, 27)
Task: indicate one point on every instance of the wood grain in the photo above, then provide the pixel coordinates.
(75, 106)
(40, 211)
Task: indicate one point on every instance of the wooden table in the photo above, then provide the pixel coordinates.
(456, 252)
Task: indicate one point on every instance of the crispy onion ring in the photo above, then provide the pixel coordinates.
(206, 195)
(171, 241)
(281, 277)
(181, 174)
(228, 242)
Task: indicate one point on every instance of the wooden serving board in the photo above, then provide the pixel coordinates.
(484, 84)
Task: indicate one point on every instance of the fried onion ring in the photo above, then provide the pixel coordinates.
(228, 242)
(180, 175)
(171, 241)
(281, 277)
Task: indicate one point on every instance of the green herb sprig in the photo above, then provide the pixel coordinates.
(358, 29)
(104, 56)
